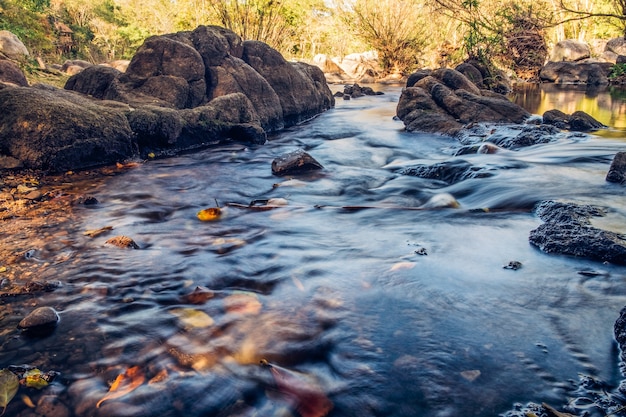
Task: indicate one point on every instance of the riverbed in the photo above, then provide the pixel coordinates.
(364, 293)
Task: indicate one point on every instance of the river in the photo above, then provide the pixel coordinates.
(380, 311)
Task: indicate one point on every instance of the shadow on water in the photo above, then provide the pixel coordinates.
(399, 308)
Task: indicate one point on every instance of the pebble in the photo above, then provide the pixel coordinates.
(39, 318)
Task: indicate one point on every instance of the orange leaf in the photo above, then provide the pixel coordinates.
(210, 214)
(124, 384)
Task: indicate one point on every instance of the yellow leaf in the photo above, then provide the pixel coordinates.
(35, 379)
(151, 155)
(192, 318)
(124, 384)
(210, 214)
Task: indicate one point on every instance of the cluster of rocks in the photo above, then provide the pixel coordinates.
(444, 101)
(355, 91)
(180, 91)
(571, 62)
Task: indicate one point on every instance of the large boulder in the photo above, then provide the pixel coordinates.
(301, 88)
(189, 69)
(585, 72)
(10, 73)
(446, 100)
(180, 92)
(567, 230)
(56, 130)
(570, 50)
(11, 46)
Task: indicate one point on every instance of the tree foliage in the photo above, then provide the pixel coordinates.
(406, 34)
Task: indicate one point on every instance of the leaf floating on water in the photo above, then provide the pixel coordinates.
(9, 384)
(243, 303)
(308, 397)
(34, 378)
(192, 318)
(124, 384)
(210, 214)
(199, 295)
(402, 265)
(98, 232)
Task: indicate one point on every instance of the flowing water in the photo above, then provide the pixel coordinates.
(383, 311)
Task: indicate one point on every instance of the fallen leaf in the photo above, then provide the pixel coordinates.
(210, 214)
(34, 378)
(98, 232)
(9, 384)
(308, 398)
(27, 401)
(124, 384)
(192, 318)
(243, 303)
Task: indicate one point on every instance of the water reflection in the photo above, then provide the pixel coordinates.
(606, 104)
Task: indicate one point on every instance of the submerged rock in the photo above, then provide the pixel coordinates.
(568, 231)
(617, 171)
(40, 318)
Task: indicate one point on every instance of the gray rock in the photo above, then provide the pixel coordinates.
(578, 121)
(567, 231)
(11, 46)
(570, 50)
(583, 72)
(12, 74)
(449, 172)
(56, 130)
(295, 162)
(617, 170)
(42, 317)
(445, 100)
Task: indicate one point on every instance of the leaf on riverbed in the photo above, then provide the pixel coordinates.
(308, 397)
(124, 384)
(98, 232)
(243, 303)
(34, 378)
(210, 214)
(9, 384)
(192, 318)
